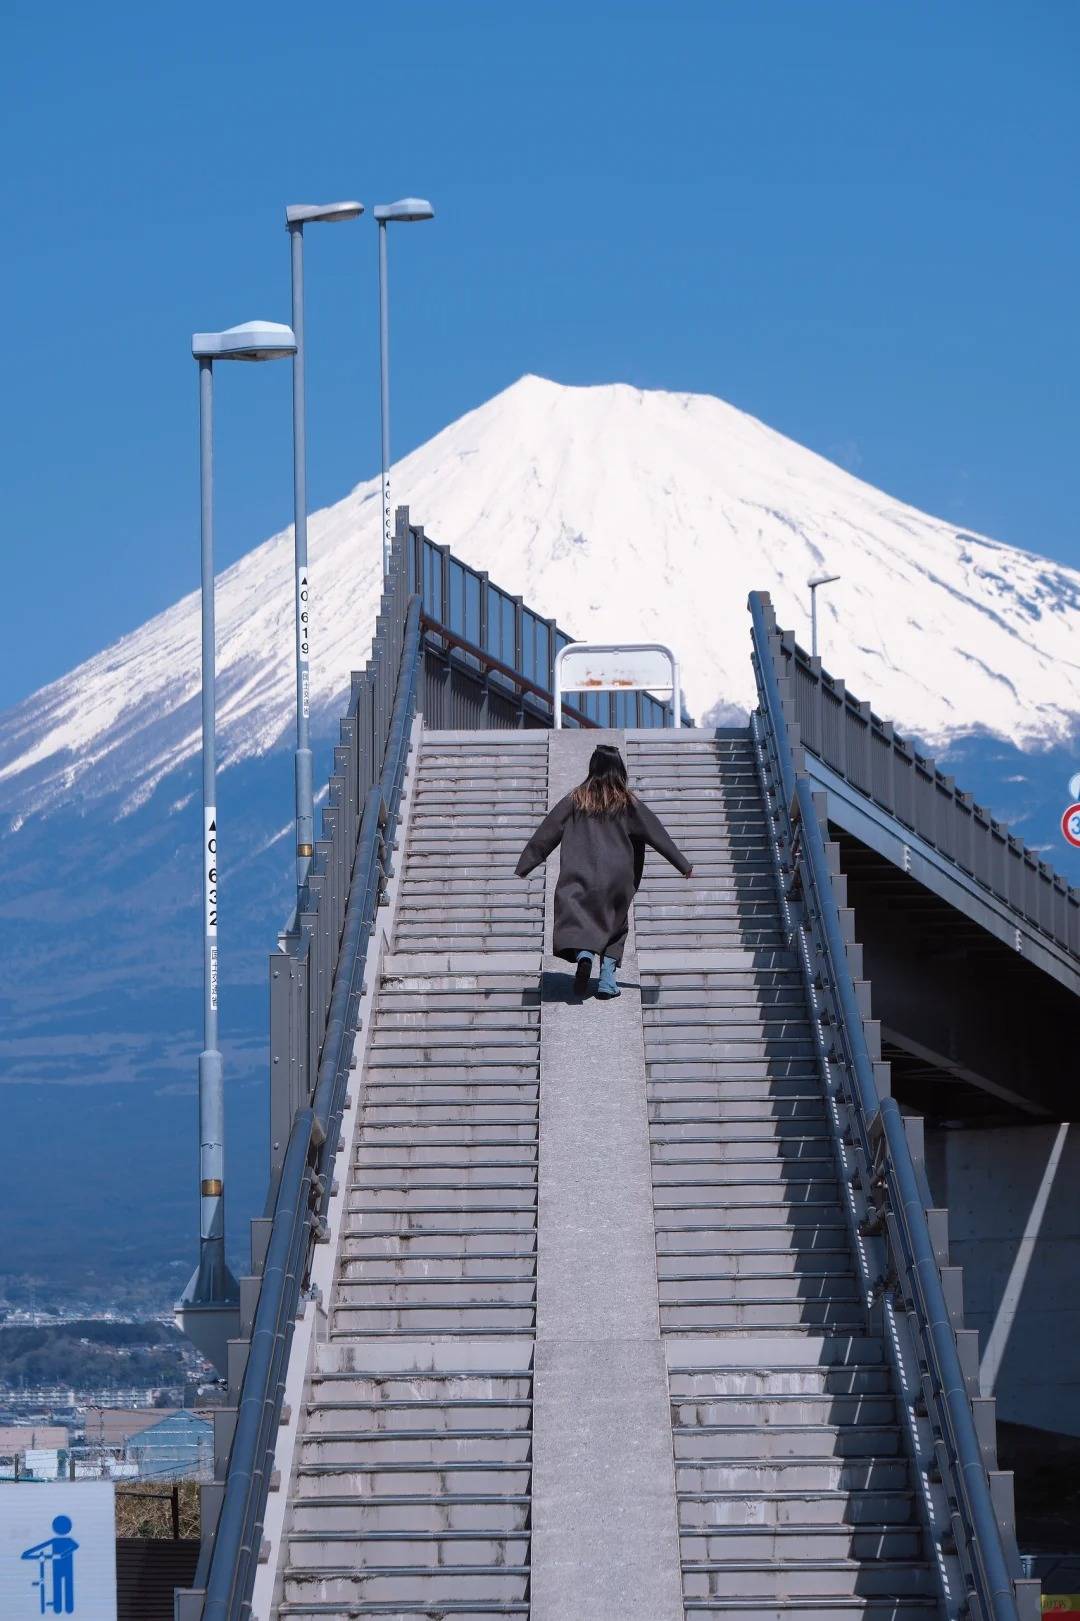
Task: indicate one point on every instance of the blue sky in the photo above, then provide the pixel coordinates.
(856, 220)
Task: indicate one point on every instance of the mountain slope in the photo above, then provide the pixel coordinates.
(624, 513)
(621, 513)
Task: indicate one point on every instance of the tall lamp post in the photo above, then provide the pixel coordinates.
(408, 209)
(297, 215)
(813, 582)
(208, 1308)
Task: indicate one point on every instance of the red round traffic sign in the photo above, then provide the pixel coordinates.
(1070, 824)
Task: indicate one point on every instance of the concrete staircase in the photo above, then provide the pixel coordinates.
(794, 1487)
(411, 1495)
(416, 1490)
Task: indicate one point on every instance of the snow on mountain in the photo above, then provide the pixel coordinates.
(624, 513)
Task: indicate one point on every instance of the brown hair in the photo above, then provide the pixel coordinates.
(605, 791)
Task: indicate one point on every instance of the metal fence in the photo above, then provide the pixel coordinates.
(971, 1517)
(874, 758)
(489, 660)
(315, 983)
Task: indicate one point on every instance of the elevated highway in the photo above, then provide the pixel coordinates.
(644, 1310)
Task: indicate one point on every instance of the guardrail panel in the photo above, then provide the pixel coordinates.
(880, 1130)
(879, 762)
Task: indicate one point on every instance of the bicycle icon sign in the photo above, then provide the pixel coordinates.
(55, 1579)
(1070, 824)
(58, 1551)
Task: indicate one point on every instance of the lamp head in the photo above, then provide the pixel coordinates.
(822, 579)
(307, 213)
(406, 208)
(255, 340)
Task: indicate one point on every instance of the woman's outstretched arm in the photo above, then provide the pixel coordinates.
(546, 838)
(657, 838)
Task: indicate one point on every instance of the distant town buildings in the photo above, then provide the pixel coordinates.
(119, 1443)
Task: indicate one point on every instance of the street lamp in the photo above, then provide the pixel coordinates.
(813, 582)
(209, 1305)
(297, 215)
(408, 209)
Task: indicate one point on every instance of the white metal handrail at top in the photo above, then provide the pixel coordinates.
(617, 667)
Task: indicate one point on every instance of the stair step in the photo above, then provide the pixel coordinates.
(401, 1586)
(675, 1148)
(490, 1288)
(704, 1443)
(457, 1477)
(733, 1288)
(802, 1543)
(691, 1220)
(750, 1476)
(855, 1607)
(747, 1244)
(430, 1415)
(425, 1317)
(809, 1579)
(419, 1165)
(438, 1269)
(435, 1513)
(401, 1448)
(715, 1317)
(737, 1188)
(753, 1261)
(797, 1508)
(436, 1245)
(308, 1609)
(458, 1551)
(483, 1197)
(414, 1220)
(722, 1410)
(834, 1378)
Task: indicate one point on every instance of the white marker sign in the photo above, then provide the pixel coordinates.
(210, 838)
(58, 1551)
(303, 635)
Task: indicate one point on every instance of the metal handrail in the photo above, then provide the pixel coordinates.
(890, 771)
(306, 1169)
(880, 1117)
(491, 663)
(443, 582)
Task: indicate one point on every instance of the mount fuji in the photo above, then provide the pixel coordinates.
(622, 512)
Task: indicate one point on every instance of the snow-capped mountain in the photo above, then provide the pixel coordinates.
(625, 514)
(621, 513)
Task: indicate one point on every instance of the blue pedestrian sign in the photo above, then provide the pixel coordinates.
(58, 1551)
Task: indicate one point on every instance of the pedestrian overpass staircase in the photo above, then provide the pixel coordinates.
(570, 1310)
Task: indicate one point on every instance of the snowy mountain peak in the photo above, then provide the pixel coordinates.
(625, 513)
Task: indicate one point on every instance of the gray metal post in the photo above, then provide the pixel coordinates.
(305, 809)
(813, 621)
(214, 1281)
(384, 377)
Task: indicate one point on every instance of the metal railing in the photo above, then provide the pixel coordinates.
(873, 757)
(882, 1149)
(320, 973)
(467, 654)
(492, 635)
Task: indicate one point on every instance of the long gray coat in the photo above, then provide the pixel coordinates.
(602, 861)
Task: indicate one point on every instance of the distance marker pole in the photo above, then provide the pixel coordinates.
(213, 1278)
(305, 804)
(384, 394)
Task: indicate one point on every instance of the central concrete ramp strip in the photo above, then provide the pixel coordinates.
(605, 1531)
